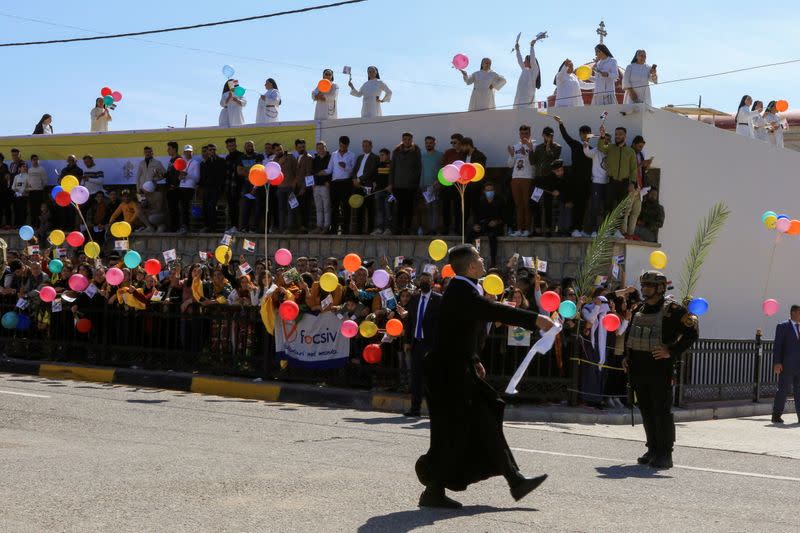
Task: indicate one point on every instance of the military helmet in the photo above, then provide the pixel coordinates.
(653, 276)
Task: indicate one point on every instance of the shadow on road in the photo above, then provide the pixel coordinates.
(146, 401)
(411, 423)
(403, 521)
(626, 471)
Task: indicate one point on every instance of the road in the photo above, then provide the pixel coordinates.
(96, 457)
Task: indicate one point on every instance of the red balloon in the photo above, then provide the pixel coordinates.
(179, 164)
(372, 353)
(277, 181)
(75, 239)
(550, 301)
(63, 199)
(152, 266)
(467, 171)
(105, 91)
(83, 325)
(289, 310)
(611, 322)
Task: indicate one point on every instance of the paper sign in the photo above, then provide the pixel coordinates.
(398, 261)
(387, 297)
(56, 306)
(429, 269)
(121, 244)
(293, 203)
(22, 303)
(226, 239)
(429, 196)
(249, 246)
(203, 256)
(324, 304)
(615, 271)
(170, 256)
(91, 290)
(600, 280)
(346, 70)
(541, 266)
(245, 268)
(537, 194)
(309, 181)
(61, 252)
(157, 296)
(527, 262)
(249, 196)
(518, 337)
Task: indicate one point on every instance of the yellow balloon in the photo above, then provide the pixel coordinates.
(356, 201)
(223, 254)
(368, 329)
(328, 281)
(658, 259)
(583, 73)
(92, 249)
(57, 237)
(480, 172)
(69, 183)
(493, 284)
(121, 229)
(437, 249)
(770, 222)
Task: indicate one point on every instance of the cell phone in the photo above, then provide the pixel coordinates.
(654, 67)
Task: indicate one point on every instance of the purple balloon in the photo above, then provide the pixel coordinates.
(380, 278)
(273, 170)
(79, 194)
(450, 173)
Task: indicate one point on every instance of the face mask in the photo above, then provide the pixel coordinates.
(425, 286)
(490, 195)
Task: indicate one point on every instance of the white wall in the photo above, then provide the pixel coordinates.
(701, 165)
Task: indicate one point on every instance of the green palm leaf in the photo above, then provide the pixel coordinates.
(708, 230)
(600, 250)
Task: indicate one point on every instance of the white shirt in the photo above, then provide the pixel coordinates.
(360, 171)
(20, 184)
(526, 86)
(474, 285)
(568, 89)
(192, 174)
(231, 114)
(482, 96)
(520, 162)
(604, 88)
(99, 120)
(638, 78)
(93, 185)
(424, 300)
(326, 109)
(370, 92)
(599, 174)
(336, 171)
(37, 178)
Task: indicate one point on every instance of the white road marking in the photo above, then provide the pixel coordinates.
(29, 395)
(696, 468)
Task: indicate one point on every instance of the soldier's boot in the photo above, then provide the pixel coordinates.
(648, 456)
(666, 436)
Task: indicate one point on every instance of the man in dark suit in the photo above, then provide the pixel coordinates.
(420, 335)
(473, 191)
(786, 363)
(466, 414)
(364, 173)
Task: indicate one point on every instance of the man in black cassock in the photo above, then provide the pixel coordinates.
(466, 414)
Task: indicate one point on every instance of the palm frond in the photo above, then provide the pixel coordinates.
(708, 230)
(600, 250)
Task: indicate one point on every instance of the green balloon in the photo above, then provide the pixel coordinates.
(238, 91)
(442, 180)
(108, 100)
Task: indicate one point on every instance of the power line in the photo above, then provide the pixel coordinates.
(183, 28)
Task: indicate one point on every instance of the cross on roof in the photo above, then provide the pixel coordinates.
(601, 31)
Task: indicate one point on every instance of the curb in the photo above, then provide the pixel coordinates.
(301, 393)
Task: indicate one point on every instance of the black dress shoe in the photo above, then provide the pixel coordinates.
(662, 461)
(646, 458)
(431, 497)
(412, 414)
(776, 419)
(526, 485)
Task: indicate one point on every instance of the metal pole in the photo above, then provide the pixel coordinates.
(757, 368)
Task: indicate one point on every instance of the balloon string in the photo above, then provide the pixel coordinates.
(461, 189)
(266, 224)
(769, 270)
(84, 221)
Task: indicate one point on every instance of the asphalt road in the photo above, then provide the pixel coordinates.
(94, 457)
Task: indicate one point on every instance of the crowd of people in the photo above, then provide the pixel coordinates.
(204, 306)
(755, 121)
(395, 191)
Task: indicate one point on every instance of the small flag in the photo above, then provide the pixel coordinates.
(170, 256)
(541, 105)
(121, 244)
(249, 246)
(603, 116)
(244, 268)
(226, 239)
(203, 255)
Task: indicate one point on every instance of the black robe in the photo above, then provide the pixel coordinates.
(466, 414)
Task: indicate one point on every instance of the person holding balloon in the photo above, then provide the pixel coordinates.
(325, 107)
(568, 86)
(131, 212)
(373, 93)
(485, 82)
(232, 102)
(775, 125)
(100, 116)
(660, 331)
(268, 103)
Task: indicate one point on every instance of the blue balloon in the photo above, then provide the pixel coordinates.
(23, 322)
(10, 320)
(55, 266)
(26, 233)
(567, 309)
(132, 259)
(783, 216)
(698, 306)
(228, 71)
(57, 189)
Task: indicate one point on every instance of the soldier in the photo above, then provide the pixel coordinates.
(660, 331)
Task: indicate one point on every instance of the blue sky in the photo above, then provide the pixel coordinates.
(163, 77)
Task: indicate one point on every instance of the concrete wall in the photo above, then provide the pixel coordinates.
(701, 165)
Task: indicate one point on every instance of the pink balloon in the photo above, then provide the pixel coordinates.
(283, 257)
(349, 329)
(78, 282)
(450, 173)
(380, 278)
(273, 170)
(117, 96)
(770, 306)
(460, 61)
(114, 276)
(783, 225)
(47, 294)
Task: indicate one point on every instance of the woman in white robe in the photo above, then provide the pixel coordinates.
(759, 124)
(370, 93)
(606, 72)
(529, 80)
(775, 125)
(231, 115)
(744, 117)
(268, 103)
(568, 86)
(486, 82)
(637, 78)
(326, 102)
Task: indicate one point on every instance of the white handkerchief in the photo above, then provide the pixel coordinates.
(543, 345)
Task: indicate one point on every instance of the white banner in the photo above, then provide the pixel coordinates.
(312, 342)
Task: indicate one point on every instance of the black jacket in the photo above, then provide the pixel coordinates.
(213, 174)
(581, 165)
(367, 179)
(430, 321)
(406, 167)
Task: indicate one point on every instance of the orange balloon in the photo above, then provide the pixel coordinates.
(394, 327)
(352, 262)
(448, 272)
(781, 105)
(324, 85)
(257, 175)
(794, 228)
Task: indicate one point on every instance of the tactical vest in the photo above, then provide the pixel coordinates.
(646, 330)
